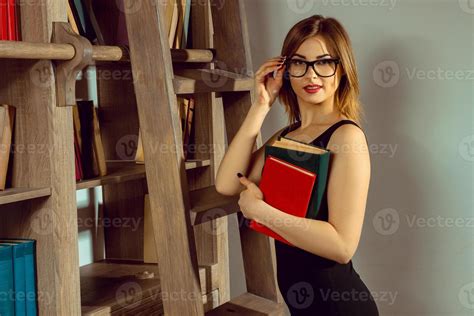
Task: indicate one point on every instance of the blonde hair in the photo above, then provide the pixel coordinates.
(346, 98)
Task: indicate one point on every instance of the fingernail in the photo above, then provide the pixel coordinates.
(239, 175)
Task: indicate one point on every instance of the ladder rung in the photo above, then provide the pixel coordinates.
(208, 204)
(188, 81)
(248, 304)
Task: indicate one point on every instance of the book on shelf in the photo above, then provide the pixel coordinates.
(86, 24)
(188, 123)
(9, 20)
(88, 137)
(293, 180)
(7, 305)
(176, 17)
(24, 275)
(7, 120)
(77, 159)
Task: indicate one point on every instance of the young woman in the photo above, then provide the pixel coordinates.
(316, 80)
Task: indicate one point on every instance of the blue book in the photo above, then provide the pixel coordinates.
(19, 280)
(187, 13)
(7, 303)
(29, 249)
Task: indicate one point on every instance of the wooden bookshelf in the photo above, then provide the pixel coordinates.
(182, 192)
(22, 194)
(116, 287)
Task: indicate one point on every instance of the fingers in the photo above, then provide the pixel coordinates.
(250, 185)
(270, 66)
(244, 180)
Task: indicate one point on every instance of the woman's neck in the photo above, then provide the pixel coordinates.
(318, 114)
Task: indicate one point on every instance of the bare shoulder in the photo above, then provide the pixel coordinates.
(348, 138)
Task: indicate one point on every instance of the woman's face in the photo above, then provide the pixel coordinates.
(313, 48)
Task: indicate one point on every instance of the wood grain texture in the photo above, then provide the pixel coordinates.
(21, 194)
(152, 65)
(58, 51)
(113, 288)
(49, 163)
(249, 305)
(234, 55)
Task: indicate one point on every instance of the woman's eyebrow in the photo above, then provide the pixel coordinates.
(321, 56)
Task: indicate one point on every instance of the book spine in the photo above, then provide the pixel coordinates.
(30, 278)
(7, 304)
(6, 140)
(11, 9)
(19, 282)
(3, 20)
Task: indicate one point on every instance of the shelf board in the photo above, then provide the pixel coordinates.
(111, 287)
(188, 81)
(22, 194)
(119, 171)
(207, 204)
(248, 304)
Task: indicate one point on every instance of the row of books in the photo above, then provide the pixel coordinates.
(82, 17)
(9, 20)
(18, 277)
(294, 178)
(88, 147)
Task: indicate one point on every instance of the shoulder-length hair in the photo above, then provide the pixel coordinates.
(346, 98)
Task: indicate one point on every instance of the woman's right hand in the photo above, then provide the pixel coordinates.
(267, 88)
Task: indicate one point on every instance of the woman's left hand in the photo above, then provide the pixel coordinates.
(250, 199)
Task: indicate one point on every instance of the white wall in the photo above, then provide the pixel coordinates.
(421, 133)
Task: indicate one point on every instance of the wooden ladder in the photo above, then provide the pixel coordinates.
(175, 209)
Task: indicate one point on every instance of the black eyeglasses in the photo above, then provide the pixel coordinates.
(325, 67)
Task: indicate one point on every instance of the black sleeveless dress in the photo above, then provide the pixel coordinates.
(313, 285)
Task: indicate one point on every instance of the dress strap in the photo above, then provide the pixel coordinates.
(323, 139)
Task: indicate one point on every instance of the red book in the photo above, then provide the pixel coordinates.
(286, 187)
(11, 20)
(77, 156)
(3, 20)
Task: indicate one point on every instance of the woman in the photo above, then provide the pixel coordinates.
(316, 80)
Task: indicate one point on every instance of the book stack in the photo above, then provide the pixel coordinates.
(18, 277)
(294, 178)
(9, 20)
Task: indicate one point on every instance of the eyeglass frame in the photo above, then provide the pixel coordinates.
(336, 60)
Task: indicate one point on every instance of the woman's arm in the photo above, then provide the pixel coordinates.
(239, 155)
(240, 158)
(347, 191)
